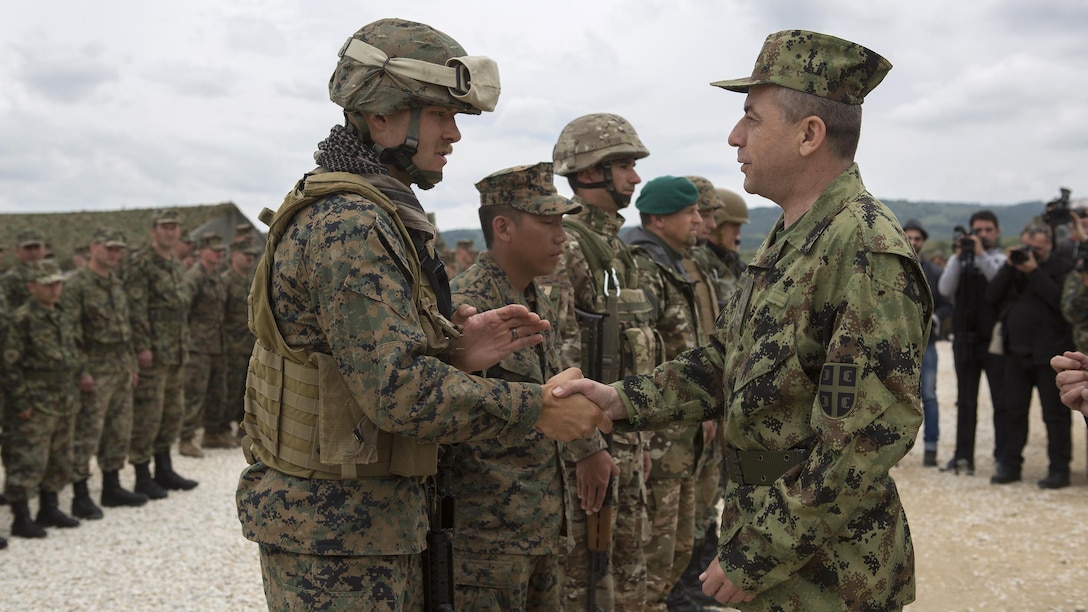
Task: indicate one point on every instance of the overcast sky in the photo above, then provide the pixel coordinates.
(126, 104)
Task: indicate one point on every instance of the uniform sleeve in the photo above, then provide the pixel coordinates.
(11, 373)
(71, 302)
(136, 289)
(357, 268)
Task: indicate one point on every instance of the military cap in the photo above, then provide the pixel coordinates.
(210, 240)
(29, 237)
(817, 64)
(465, 244)
(708, 198)
(915, 224)
(166, 215)
(529, 188)
(665, 195)
(733, 209)
(45, 272)
(108, 236)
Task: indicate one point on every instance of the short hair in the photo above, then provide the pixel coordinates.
(983, 215)
(843, 121)
(1031, 229)
(488, 214)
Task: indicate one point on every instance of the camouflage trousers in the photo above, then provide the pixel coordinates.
(507, 583)
(671, 506)
(236, 367)
(103, 425)
(158, 403)
(296, 581)
(624, 588)
(37, 454)
(205, 389)
(710, 479)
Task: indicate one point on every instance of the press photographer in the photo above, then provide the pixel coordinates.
(1061, 212)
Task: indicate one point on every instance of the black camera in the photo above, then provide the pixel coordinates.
(962, 238)
(1058, 211)
(1019, 255)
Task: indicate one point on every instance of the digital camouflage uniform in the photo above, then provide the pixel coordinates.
(205, 383)
(99, 308)
(513, 506)
(237, 340)
(42, 367)
(157, 307)
(819, 349)
(1075, 309)
(13, 283)
(624, 588)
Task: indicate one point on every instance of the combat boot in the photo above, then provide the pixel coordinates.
(145, 484)
(114, 495)
(22, 526)
(49, 515)
(167, 477)
(188, 448)
(217, 440)
(82, 504)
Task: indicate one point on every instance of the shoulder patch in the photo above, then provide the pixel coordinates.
(838, 387)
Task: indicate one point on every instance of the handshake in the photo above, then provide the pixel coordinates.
(574, 407)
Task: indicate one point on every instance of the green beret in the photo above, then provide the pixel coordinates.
(528, 188)
(665, 195)
(817, 64)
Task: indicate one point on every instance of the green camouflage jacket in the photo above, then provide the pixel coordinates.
(13, 284)
(42, 364)
(98, 306)
(158, 306)
(511, 499)
(722, 266)
(237, 339)
(207, 304)
(820, 348)
(1075, 309)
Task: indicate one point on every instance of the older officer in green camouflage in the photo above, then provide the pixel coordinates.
(359, 368)
(205, 384)
(42, 367)
(160, 336)
(513, 508)
(686, 306)
(237, 338)
(94, 298)
(816, 358)
(29, 248)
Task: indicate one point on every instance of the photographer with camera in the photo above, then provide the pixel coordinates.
(1027, 293)
(974, 262)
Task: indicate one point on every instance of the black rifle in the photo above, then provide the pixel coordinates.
(438, 558)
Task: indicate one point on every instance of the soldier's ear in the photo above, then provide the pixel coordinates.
(502, 228)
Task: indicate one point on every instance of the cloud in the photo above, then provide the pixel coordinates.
(65, 76)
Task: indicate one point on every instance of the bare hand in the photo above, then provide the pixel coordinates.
(86, 384)
(710, 432)
(1072, 379)
(717, 585)
(592, 475)
(569, 418)
(489, 337)
(144, 358)
(604, 396)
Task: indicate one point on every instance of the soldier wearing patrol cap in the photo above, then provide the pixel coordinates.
(815, 364)
(359, 370)
(512, 504)
(40, 371)
(237, 337)
(29, 248)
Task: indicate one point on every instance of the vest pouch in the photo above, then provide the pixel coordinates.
(641, 347)
(438, 329)
(344, 433)
(412, 457)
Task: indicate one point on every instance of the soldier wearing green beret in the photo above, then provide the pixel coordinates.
(815, 359)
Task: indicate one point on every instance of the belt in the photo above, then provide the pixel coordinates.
(761, 467)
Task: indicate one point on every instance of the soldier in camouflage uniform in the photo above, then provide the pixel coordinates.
(597, 153)
(205, 384)
(815, 363)
(513, 508)
(160, 336)
(4, 314)
(42, 367)
(94, 298)
(686, 307)
(237, 338)
(357, 353)
(29, 248)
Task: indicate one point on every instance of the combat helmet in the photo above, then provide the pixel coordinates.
(393, 64)
(733, 210)
(594, 139)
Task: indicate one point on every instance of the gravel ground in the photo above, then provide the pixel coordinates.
(979, 547)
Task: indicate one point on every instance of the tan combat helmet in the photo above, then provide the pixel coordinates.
(733, 209)
(595, 139)
(393, 64)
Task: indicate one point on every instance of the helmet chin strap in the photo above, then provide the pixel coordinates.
(609, 185)
(400, 156)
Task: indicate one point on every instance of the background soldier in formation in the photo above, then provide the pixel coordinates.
(205, 384)
(94, 298)
(723, 243)
(237, 338)
(157, 305)
(29, 248)
(513, 507)
(42, 367)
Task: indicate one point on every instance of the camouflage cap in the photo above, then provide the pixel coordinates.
(108, 236)
(592, 139)
(733, 209)
(45, 272)
(666, 195)
(29, 237)
(210, 240)
(817, 64)
(708, 198)
(529, 189)
(465, 244)
(166, 215)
